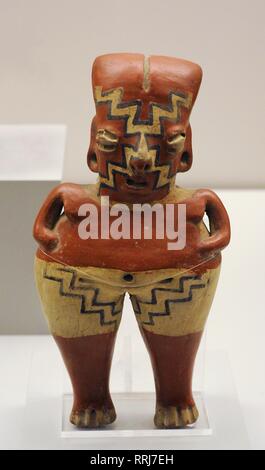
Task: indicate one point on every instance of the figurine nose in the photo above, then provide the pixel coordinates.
(140, 166)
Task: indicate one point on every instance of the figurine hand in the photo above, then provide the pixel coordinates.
(73, 196)
(219, 224)
(212, 245)
(46, 238)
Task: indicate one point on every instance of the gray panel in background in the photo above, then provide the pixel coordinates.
(20, 311)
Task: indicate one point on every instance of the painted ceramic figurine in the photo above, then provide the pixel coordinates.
(140, 140)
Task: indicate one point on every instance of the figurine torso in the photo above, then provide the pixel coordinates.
(128, 254)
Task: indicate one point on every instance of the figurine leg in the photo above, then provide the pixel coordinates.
(83, 316)
(171, 315)
(173, 360)
(88, 361)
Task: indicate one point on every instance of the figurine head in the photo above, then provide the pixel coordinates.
(141, 136)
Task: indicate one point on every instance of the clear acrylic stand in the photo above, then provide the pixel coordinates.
(132, 390)
(135, 412)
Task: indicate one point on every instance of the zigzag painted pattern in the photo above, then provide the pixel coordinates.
(73, 286)
(130, 112)
(166, 297)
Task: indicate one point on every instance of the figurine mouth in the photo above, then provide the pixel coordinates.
(133, 184)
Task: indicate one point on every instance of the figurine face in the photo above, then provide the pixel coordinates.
(141, 135)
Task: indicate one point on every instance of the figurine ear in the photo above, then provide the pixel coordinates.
(186, 155)
(92, 160)
(91, 154)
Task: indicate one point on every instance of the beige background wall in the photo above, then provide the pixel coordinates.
(47, 48)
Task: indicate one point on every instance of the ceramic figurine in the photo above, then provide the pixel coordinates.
(140, 140)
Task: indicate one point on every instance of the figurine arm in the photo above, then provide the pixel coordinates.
(218, 220)
(47, 218)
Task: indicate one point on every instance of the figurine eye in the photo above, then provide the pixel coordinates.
(176, 142)
(106, 141)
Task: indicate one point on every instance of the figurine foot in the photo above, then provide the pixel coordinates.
(93, 417)
(173, 417)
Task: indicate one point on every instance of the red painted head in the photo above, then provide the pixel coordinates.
(140, 136)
